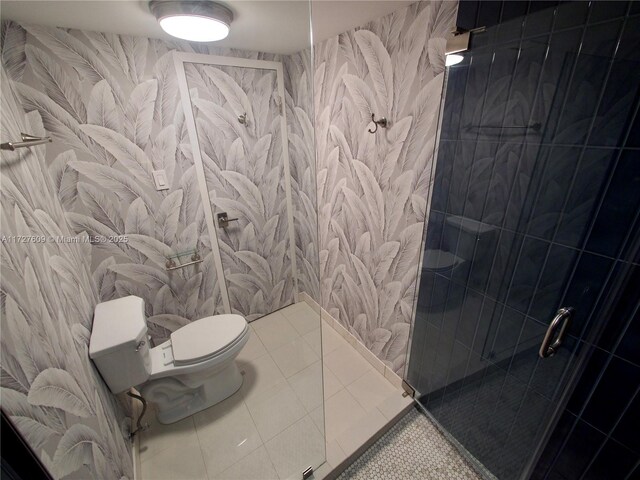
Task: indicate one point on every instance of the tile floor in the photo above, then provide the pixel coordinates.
(274, 426)
(412, 449)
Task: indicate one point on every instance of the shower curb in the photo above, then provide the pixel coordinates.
(346, 463)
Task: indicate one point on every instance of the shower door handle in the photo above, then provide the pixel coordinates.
(550, 346)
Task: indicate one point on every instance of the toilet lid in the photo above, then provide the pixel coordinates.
(206, 337)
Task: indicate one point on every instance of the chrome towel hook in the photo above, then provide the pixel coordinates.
(381, 122)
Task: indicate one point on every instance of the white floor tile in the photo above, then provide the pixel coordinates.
(227, 434)
(342, 411)
(302, 317)
(274, 331)
(347, 364)
(331, 383)
(275, 409)
(259, 374)
(294, 356)
(308, 386)
(158, 438)
(314, 340)
(180, 461)
(255, 466)
(371, 389)
(271, 428)
(361, 431)
(252, 349)
(317, 415)
(296, 448)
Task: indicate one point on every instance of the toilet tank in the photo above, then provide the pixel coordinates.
(119, 346)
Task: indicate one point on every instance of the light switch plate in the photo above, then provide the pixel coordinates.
(160, 178)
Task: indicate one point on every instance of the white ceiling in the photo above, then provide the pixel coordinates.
(262, 25)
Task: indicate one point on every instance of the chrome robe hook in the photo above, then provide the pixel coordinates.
(382, 122)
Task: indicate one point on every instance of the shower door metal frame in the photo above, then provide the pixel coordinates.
(180, 58)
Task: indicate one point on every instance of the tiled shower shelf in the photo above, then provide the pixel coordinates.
(272, 427)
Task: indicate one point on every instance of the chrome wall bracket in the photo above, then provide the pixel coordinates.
(460, 39)
(409, 391)
(171, 260)
(224, 220)
(27, 141)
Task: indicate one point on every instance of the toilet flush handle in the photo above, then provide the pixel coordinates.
(140, 345)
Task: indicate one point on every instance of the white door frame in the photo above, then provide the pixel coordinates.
(180, 58)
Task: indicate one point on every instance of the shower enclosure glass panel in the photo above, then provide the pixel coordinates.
(238, 115)
(236, 118)
(529, 154)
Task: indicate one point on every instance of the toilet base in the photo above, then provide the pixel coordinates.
(179, 397)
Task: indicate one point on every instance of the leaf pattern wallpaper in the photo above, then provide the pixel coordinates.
(373, 189)
(49, 386)
(111, 104)
(302, 159)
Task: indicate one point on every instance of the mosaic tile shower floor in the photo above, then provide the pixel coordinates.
(412, 449)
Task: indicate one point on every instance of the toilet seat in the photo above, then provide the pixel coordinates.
(206, 338)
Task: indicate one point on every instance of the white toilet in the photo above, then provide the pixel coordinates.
(192, 371)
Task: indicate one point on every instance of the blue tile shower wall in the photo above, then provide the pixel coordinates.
(535, 206)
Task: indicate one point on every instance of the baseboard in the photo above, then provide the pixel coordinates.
(308, 299)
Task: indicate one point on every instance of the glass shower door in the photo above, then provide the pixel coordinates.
(239, 126)
(518, 231)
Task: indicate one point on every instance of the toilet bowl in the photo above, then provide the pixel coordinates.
(191, 371)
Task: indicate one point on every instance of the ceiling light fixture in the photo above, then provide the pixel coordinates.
(458, 43)
(193, 20)
(453, 59)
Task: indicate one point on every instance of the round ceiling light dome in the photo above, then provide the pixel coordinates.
(196, 21)
(453, 59)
